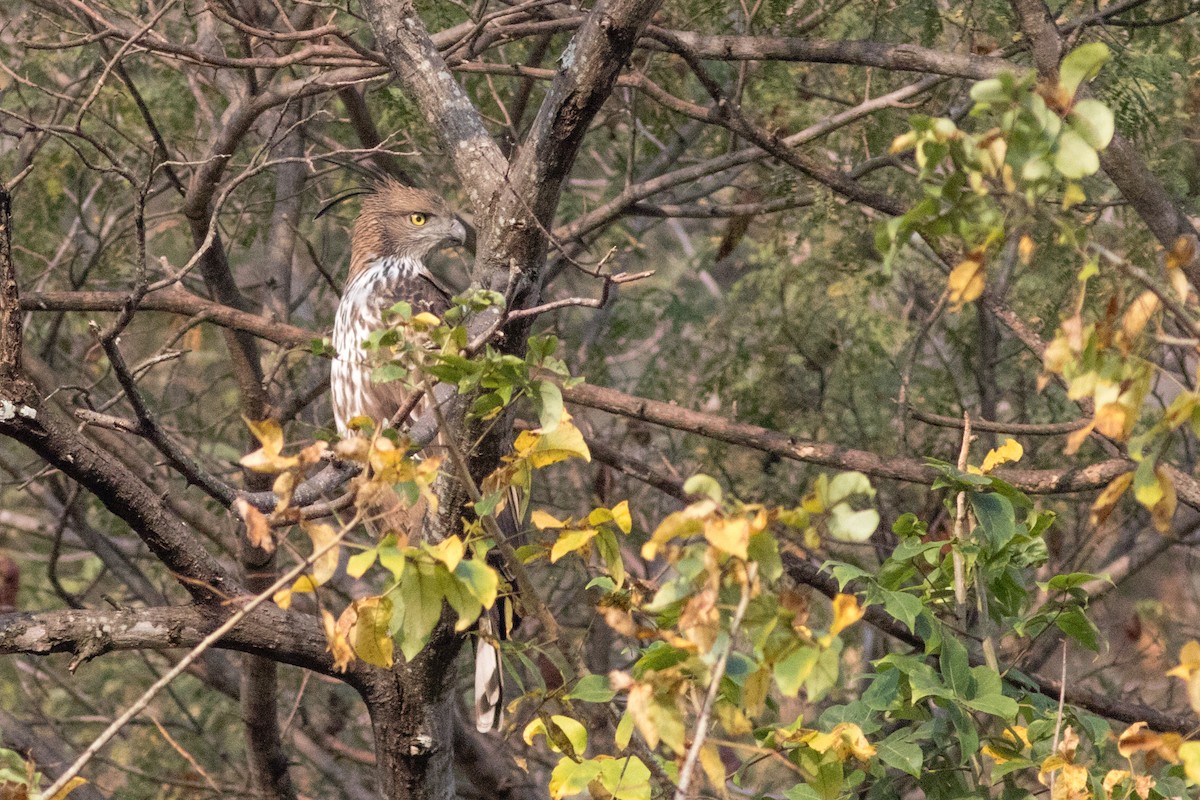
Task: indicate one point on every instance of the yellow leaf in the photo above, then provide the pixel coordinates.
(846, 612)
(1112, 420)
(1010, 451)
(359, 563)
(1189, 754)
(562, 443)
(570, 541)
(846, 740)
(369, 619)
(729, 535)
(1181, 252)
(268, 458)
(679, 523)
(700, 620)
(1138, 314)
(284, 485)
(541, 520)
(714, 768)
(1107, 500)
(258, 531)
(1189, 661)
(449, 551)
(71, 786)
(268, 433)
(325, 565)
(1077, 438)
(622, 517)
(427, 320)
(966, 283)
(1025, 249)
(1114, 777)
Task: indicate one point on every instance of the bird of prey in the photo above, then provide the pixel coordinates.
(397, 227)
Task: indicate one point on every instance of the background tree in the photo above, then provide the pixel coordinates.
(876, 233)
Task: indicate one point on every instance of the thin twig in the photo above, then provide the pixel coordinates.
(714, 688)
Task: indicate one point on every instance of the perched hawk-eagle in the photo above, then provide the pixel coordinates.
(396, 229)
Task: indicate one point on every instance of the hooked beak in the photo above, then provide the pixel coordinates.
(458, 234)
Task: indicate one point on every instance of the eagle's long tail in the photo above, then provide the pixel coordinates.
(494, 626)
(489, 675)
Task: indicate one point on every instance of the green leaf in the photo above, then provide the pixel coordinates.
(1062, 583)
(592, 689)
(625, 778)
(989, 697)
(848, 525)
(848, 484)
(391, 557)
(1093, 121)
(956, 667)
(550, 405)
(996, 518)
(704, 485)
(802, 791)
(418, 608)
(989, 91)
(391, 371)
(764, 549)
(883, 691)
(1075, 624)
(1075, 158)
(968, 733)
(903, 606)
(795, 668)
(924, 682)
(570, 778)
(479, 579)
(1082, 64)
(610, 552)
(900, 752)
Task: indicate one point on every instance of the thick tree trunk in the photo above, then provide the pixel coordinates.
(412, 711)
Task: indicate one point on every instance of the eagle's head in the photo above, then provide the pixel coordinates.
(398, 221)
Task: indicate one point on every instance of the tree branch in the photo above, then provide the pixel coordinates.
(1032, 481)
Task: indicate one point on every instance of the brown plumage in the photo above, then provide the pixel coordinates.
(397, 227)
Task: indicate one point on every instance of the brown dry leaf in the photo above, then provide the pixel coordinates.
(1107, 501)
(1077, 438)
(1136, 738)
(1181, 253)
(1164, 510)
(258, 531)
(796, 600)
(1138, 314)
(336, 642)
(700, 621)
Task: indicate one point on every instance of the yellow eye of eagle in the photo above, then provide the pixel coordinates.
(418, 219)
